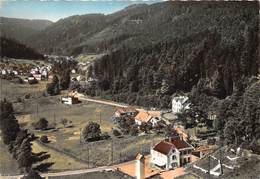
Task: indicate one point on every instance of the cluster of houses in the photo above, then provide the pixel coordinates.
(171, 153)
(179, 104)
(9, 69)
(42, 72)
(140, 117)
(33, 73)
(39, 73)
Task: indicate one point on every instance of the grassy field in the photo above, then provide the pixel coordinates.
(110, 151)
(11, 91)
(88, 58)
(61, 161)
(64, 140)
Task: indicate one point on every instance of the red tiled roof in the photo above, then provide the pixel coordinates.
(143, 116)
(163, 147)
(179, 144)
(166, 146)
(125, 109)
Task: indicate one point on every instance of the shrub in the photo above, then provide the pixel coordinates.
(134, 130)
(44, 139)
(116, 132)
(64, 121)
(42, 124)
(91, 132)
(18, 100)
(105, 136)
(27, 96)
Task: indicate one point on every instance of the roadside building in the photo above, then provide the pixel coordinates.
(15, 72)
(125, 111)
(32, 80)
(144, 116)
(4, 72)
(180, 103)
(35, 71)
(171, 153)
(69, 100)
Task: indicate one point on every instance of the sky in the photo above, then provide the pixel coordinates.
(56, 9)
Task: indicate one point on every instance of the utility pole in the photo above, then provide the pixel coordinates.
(80, 136)
(100, 118)
(37, 111)
(112, 152)
(54, 117)
(1, 88)
(88, 155)
(209, 168)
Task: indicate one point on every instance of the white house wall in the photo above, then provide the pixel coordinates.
(158, 158)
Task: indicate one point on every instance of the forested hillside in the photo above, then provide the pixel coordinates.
(21, 29)
(142, 25)
(215, 49)
(13, 49)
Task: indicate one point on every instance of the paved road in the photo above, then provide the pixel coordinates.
(74, 172)
(111, 103)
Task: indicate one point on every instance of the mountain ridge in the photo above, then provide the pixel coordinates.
(20, 29)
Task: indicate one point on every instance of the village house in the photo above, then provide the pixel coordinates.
(125, 111)
(180, 103)
(144, 116)
(44, 72)
(171, 153)
(35, 71)
(37, 76)
(31, 80)
(4, 72)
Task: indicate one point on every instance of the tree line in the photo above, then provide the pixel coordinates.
(19, 142)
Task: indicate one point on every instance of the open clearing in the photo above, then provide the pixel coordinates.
(65, 147)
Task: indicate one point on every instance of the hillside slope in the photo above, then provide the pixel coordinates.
(13, 49)
(141, 25)
(209, 46)
(21, 29)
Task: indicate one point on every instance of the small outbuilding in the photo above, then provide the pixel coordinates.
(69, 100)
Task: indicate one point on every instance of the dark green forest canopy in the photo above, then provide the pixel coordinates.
(13, 49)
